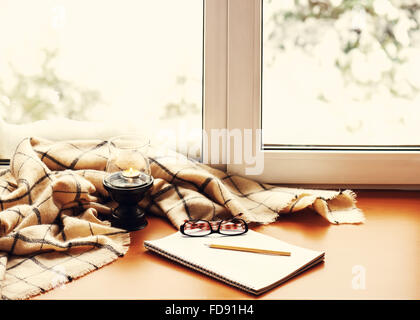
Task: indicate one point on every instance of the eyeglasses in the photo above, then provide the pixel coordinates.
(201, 228)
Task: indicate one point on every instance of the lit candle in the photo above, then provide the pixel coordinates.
(131, 173)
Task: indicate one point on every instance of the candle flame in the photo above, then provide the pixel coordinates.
(131, 173)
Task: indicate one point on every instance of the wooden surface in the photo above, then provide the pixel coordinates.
(386, 249)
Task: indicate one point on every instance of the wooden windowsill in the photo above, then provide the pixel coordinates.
(387, 247)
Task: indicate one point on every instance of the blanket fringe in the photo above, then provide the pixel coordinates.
(107, 258)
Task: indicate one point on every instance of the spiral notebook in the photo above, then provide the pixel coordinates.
(253, 272)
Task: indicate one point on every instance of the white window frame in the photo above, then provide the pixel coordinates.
(232, 100)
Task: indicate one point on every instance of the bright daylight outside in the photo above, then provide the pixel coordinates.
(133, 64)
(341, 72)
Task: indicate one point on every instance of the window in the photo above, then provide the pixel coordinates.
(341, 73)
(293, 145)
(132, 65)
(260, 70)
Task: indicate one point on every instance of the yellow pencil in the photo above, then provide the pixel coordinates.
(254, 250)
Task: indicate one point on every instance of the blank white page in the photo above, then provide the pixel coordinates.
(253, 271)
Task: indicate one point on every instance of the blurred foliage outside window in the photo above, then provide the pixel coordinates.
(45, 96)
(375, 44)
(351, 66)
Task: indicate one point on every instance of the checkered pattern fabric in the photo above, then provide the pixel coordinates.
(54, 208)
(51, 201)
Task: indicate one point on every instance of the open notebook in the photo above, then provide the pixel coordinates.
(252, 272)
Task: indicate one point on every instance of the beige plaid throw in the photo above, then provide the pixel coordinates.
(53, 225)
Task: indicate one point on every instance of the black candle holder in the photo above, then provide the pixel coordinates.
(128, 215)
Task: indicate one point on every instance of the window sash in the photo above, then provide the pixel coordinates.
(369, 168)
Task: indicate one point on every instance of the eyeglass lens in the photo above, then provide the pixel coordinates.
(232, 227)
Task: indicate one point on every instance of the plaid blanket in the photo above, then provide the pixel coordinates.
(54, 209)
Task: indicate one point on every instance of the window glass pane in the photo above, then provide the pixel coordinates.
(341, 72)
(137, 63)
